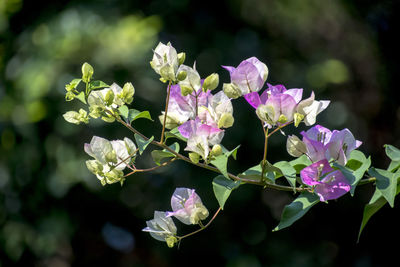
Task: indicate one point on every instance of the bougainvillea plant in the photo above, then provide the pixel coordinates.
(327, 165)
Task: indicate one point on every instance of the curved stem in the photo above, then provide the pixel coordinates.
(202, 228)
(278, 128)
(265, 151)
(165, 113)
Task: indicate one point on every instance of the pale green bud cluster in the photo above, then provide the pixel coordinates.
(77, 117)
(295, 147)
(166, 61)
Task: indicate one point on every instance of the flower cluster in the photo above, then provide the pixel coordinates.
(320, 145)
(187, 207)
(110, 158)
(196, 114)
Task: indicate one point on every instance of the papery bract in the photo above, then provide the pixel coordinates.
(165, 61)
(161, 227)
(182, 108)
(329, 183)
(321, 144)
(249, 76)
(187, 206)
(200, 136)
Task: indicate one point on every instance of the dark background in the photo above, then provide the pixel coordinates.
(53, 212)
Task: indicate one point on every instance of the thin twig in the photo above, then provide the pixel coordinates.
(165, 113)
(201, 229)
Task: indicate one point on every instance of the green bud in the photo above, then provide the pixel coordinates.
(109, 97)
(167, 72)
(181, 57)
(171, 240)
(226, 120)
(69, 96)
(87, 72)
(298, 118)
(282, 119)
(181, 75)
(127, 93)
(211, 82)
(198, 214)
(72, 85)
(185, 90)
(114, 176)
(194, 157)
(108, 118)
(231, 90)
(216, 150)
(76, 117)
(94, 166)
(111, 157)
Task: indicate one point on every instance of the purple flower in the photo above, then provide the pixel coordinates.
(321, 144)
(328, 183)
(249, 76)
(200, 136)
(183, 108)
(187, 206)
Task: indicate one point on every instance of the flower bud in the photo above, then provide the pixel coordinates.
(282, 119)
(181, 58)
(181, 75)
(231, 90)
(87, 72)
(171, 240)
(297, 118)
(127, 93)
(295, 147)
(165, 61)
(185, 90)
(211, 82)
(109, 98)
(216, 150)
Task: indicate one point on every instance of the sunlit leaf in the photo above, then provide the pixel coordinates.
(386, 183)
(297, 209)
(392, 152)
(222, 188)
(142, 143)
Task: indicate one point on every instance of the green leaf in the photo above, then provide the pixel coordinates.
(297, 209)
(300, 163)
(392, 152)
(253, 173)
(124, 111)
(136, 114)
(174, 133)
(386, 183)
(222, 188)
(354, 176)
(375, 204)
(160, 155)
(142, 143)
(97, 85)
(81, 97)
(355, 160)
(393, 166)
(232, 153)
(221, 162)
(288, 171)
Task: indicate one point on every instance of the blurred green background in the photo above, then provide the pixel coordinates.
(53, 212)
